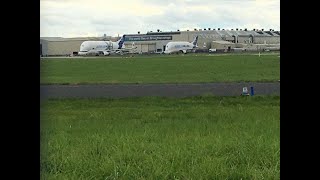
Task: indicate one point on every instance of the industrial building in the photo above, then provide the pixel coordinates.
(57, 46)
(155, 42)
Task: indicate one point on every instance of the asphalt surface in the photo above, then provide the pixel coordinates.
(165, 90)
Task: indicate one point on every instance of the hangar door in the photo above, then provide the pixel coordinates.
(152, 47)
(144, 47)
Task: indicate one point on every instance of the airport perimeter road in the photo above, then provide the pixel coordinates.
(165, 90)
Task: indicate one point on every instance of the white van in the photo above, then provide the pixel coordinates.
(212, 50)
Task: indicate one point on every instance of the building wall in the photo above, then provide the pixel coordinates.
(142, 47)
(207, 37)
(259, 39)
(268, 40)
(244, 39)
(151, 41)
(222, 46)
(63, 47)
(44, 44)
(152, 47)
(203, 37)
(160, 44)
(261, 47)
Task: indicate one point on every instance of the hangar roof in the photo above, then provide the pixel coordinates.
(221, 33)
(72, 39)
(230, 33)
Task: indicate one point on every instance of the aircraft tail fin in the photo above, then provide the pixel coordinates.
(121, 41)
(195, 40)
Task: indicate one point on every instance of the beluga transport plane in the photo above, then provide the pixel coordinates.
(181, 46)
(102, 47)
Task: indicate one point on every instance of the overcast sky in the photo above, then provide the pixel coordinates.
(79, 18)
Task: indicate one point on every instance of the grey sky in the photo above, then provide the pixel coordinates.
(76, 18)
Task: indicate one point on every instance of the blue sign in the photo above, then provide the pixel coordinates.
(252, 92)
(147, 38)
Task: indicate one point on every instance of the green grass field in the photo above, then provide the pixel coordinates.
(161, 138)
(161, 69)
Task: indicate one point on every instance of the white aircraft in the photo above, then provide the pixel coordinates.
(181, 46)
(102, 47)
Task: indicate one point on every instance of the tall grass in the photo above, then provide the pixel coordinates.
(161, 69)
(161, 138)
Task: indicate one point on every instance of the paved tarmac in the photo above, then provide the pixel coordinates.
(164, 90)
